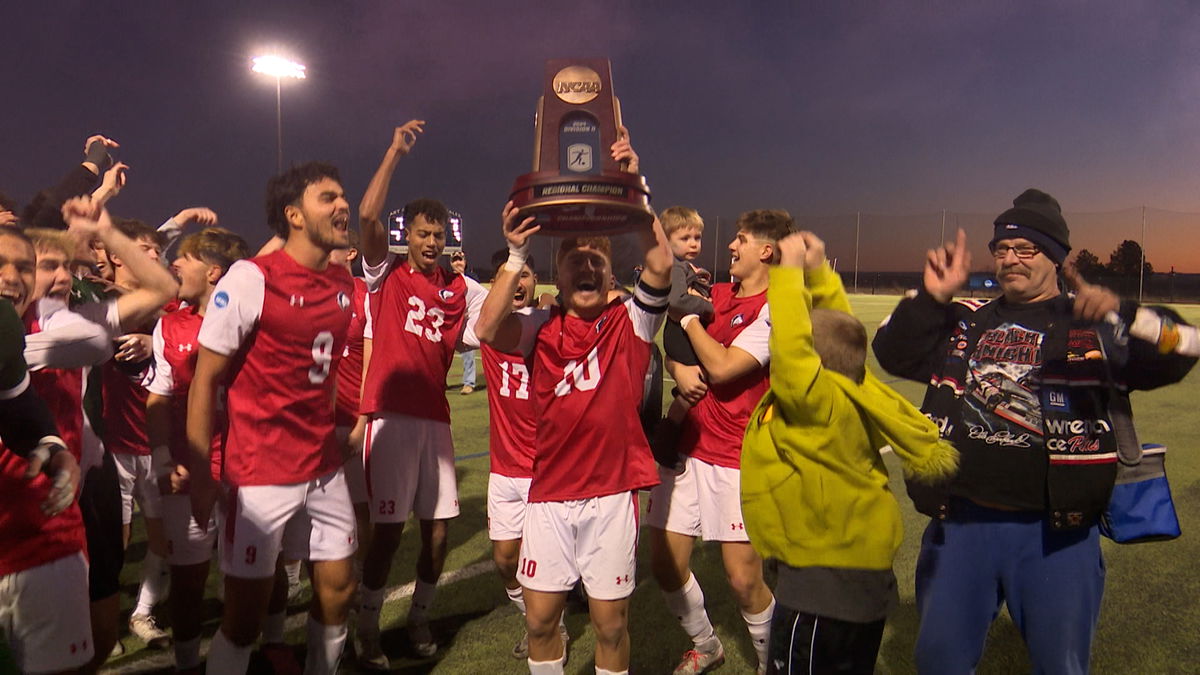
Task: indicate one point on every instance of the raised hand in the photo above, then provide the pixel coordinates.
(517, 234)
(108, 142)
(1092, 303)
(9, 219)
(114, 179)
(84, 217)
(793, 250)
(202, 216)
(814, 250)
(622, 151)
(947, 268)
(405, 136)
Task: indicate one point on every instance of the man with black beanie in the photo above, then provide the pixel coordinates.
(1031, 388)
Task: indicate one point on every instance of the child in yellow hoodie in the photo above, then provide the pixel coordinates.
(815, 493)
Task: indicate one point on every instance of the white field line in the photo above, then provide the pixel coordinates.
(166, 659)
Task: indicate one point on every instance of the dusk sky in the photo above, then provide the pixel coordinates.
(825, 109)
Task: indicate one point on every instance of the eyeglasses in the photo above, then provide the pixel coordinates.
(1023, 252)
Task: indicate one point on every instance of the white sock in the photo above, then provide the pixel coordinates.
(273, 628)
(601, 671)
(154, 583)
(687, 604)
(226, 658)
(547, 667)
(325, 645)
(368, 610)
(422, 599)
(293, 572)
(187, 653)
(760, 629)
(517, 595)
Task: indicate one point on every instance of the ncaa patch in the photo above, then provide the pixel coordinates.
(737, 320)
(445, 294)
(342, 300)
(221, 299)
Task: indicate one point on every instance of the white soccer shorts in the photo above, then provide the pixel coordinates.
(703, 501)
(187, 544)
(508, 499)
(590, 539)
(311, 521)
(44, 615)
(410, 469)
(137, 481)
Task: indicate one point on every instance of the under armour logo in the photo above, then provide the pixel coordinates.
(185, 348)
(297, 301)
(737, 526)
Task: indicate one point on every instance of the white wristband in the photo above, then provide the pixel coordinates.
(683, 323)
(516, 258)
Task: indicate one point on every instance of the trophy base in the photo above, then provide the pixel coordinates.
(611, 202)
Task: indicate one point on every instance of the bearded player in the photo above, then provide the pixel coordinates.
(589, 361)
(273, 334)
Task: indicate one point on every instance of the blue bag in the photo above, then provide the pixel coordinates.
(1140, 508)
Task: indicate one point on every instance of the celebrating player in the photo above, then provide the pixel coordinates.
(203, 259)
(273, 333)
(705, 500)
(589, 363)
(421, 320)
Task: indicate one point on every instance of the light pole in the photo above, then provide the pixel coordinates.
(279, 68)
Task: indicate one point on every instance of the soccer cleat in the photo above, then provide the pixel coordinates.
(118, 651)
(467, 389)
(695, 662)
(369, 651)
(145, 628)
(521, 649)
(422, 639)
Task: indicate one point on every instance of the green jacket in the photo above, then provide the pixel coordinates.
(814, 486)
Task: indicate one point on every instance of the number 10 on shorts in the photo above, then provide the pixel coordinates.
(528, 567)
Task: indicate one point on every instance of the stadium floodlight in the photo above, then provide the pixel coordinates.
(279, 68)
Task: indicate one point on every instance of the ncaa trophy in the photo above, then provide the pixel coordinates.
(576, 188)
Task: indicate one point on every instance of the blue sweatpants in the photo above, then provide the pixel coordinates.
(1052, 582)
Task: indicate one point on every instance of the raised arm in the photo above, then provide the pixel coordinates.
(496, 325)
(374, 234)
(157, 286)
(657, 265)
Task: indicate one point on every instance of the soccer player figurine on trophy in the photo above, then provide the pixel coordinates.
(576, 188)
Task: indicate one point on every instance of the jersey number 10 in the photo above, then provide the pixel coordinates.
(584, 376)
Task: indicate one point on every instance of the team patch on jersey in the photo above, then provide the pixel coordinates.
(343, 300)
(221, 299)
(737, 320)
(445, 294)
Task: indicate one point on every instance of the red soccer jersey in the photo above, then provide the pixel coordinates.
(588, 378)
(512, 417)
(125, 408)
(285, 325)
(27, 537)
(175, 352)
(715, 426)
(416, 323)
(349, 374)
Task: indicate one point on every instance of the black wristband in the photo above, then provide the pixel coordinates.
(97, 153)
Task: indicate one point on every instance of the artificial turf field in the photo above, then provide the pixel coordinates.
(1150, 622)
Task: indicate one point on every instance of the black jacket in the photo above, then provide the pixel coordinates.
(1093, 365)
